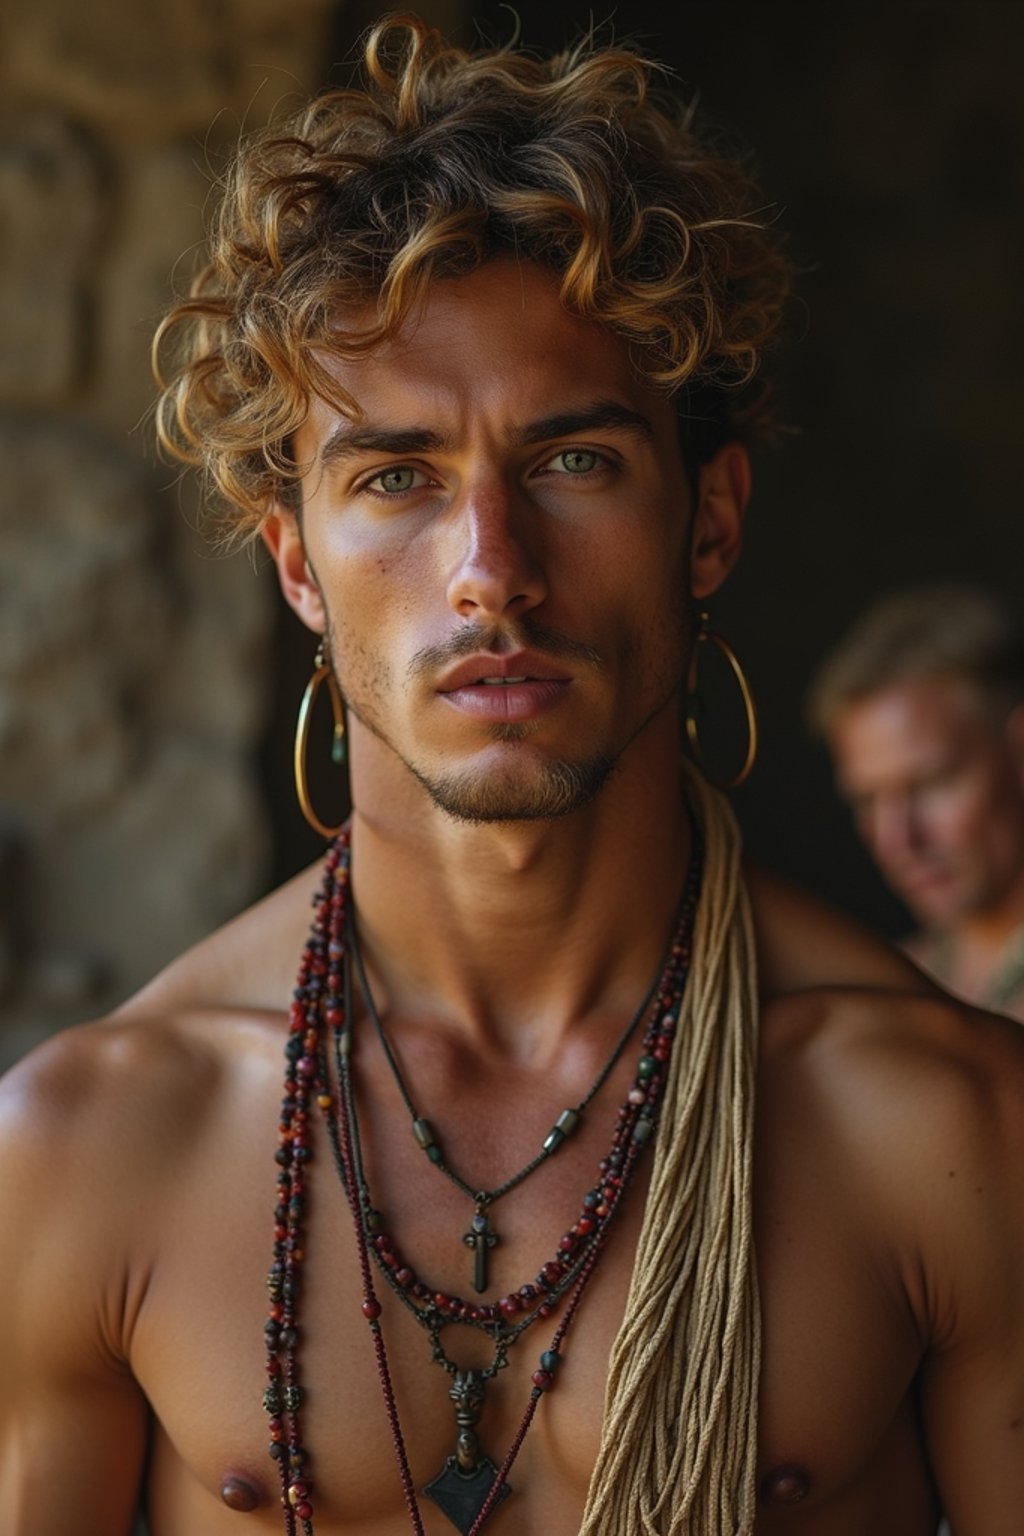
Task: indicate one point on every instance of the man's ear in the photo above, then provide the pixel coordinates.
(280, 533)
(723, 490)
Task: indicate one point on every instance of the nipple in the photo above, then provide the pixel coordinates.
(785, 1485)
(239, 1494)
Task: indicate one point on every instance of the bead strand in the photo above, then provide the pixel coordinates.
(321, 1007)
(371, 1309)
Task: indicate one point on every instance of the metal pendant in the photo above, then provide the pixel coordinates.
(461, 1487)
(461, 1495)
(480, 1237)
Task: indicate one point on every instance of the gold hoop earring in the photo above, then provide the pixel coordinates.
(322, 673)
(749, 707)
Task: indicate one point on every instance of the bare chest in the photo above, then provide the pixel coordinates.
(839, 1449)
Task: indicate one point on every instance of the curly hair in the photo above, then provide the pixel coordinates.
(444, 160)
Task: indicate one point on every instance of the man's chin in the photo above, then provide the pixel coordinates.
(936, 905)
(547, 792)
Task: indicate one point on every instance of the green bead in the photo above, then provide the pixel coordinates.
(642, 1130)
(550, 1360)
(553, 1140)
(567, 1121)
(434, 1153)
(646, 1068)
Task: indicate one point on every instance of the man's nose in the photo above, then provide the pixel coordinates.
(495, 571)
(893, 828)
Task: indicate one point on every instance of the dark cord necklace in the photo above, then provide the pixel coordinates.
(482, 1236)
(469, 1485)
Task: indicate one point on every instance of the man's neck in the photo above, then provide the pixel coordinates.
(972, 953)
(987, 929)
(513, 932)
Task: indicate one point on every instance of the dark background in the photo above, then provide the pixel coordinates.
(891, 138)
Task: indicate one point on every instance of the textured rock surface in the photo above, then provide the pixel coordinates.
(50, 209)
(133, 661)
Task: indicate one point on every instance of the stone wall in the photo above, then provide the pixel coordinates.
(132, 660)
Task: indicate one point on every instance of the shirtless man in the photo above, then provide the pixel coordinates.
(922, 707)
(499, 488)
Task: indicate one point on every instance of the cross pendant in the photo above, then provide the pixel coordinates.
(480, 1237)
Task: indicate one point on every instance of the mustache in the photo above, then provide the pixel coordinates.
(525, 634)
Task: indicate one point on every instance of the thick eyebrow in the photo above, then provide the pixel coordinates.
(350, 439)
(599, 416)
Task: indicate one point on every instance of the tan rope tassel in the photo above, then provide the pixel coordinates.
(679, 1442)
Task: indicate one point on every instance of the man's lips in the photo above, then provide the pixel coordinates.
(510, 669)
(921, 880)
(511, 687)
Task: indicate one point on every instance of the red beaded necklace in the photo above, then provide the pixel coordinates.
(469, 1485)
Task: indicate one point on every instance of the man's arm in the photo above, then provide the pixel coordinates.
(972, 1286)
(72, 1420)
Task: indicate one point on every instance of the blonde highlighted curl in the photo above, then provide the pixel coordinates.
(443, 161)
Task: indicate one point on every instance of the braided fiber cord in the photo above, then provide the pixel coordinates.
(679, 1442)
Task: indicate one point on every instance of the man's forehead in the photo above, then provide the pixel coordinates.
(908, 723)
(501, 328)
(493, 353)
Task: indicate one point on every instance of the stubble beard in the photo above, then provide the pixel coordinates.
(545, 791)
(517, 791)
(555, 789)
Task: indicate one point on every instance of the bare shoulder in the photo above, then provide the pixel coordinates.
(897, 1047)
(120, 1104)
(846, 1013)
(894, 1060)
(110, 1096)
(912, 1105)
(804, 943)
(912, 1100)
(134, 1090)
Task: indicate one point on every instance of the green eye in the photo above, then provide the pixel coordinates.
(579, 461)
(402, 478)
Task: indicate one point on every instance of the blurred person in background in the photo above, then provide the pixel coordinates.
(921, 705)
